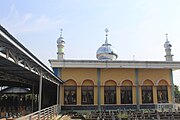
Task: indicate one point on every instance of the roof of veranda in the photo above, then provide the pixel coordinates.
(18, 66)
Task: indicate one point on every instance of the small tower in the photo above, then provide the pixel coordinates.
(60, 47)
(167, 46)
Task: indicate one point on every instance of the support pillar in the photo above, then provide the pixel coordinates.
(99, 88)
(118, 95)
(137, 89)
(40, 92)
(57, 100)
(155, 95)
(58, 103)
(57, 72)
(32, 102)
(172, 88)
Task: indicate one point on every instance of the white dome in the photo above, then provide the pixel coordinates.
(60, 40)
(106, 52)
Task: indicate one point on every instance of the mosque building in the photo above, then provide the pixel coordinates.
(107, 83)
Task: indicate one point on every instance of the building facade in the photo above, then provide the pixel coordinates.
(112, 84)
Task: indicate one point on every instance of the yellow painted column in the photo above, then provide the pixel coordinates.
(95, 95)
(134, 94)
(155, 95)
(102, 95)
(118, 95)
(170, 96)
(140, 94)
(78, 95)
(62, 95)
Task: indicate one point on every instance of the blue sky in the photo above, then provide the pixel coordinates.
(136, 27)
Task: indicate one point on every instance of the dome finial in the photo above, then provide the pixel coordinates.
(106, 41)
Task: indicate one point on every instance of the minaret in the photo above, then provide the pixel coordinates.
(167, 47)
(60, 47)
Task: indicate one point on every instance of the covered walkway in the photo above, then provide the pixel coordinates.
(20, 69)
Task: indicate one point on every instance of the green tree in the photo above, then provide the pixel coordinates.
(177, 94)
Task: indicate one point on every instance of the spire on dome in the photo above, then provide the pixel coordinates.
(106, 41)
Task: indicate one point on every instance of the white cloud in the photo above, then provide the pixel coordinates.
(27, 17)
(28, 22)
(13, 12)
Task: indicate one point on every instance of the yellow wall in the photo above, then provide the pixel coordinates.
(118, 75)
(154, 75)
(79, 75)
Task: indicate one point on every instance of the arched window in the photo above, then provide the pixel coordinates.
(70, 92)
(162, 92)
(126, 92)
(147, 91)
(110, 92)
(87, 92)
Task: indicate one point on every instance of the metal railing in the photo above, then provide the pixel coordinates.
(161, 107)
(177, 107)
(44, 114)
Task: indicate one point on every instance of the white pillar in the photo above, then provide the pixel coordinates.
(58, 98)
(168, 56)
(40, 92)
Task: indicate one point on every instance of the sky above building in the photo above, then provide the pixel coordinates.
(137, 28)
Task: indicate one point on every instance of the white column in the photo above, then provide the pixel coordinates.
(40, 91)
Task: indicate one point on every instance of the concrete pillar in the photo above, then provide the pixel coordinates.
(118, 96)
(32, 102)
(40, 91)
(99, 88)
(172, 88)
(155, 95)
(137, 89)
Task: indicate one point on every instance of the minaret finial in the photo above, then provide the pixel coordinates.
(166, 36)
(106, 30)
(61, 30)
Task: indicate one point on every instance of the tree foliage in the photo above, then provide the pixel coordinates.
(177, 94)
